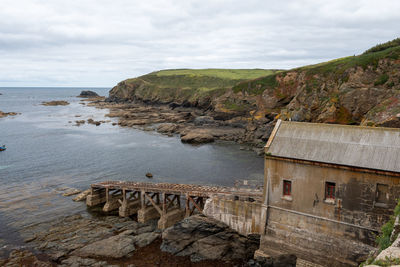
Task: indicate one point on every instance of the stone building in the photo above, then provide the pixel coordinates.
(328, 189)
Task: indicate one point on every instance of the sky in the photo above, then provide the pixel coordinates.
(101, 42)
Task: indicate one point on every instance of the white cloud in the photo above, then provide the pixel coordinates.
(100, 42)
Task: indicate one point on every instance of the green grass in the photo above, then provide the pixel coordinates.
(191, 85)
(339, 66)
(384, 46)
(231, 74)
(382, 79)
(383, 239)
(336, 69)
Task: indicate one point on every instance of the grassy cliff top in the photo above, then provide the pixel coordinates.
(200, 79)
(335, 69)
(234, 74)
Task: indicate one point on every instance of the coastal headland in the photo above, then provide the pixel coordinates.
(243, 105)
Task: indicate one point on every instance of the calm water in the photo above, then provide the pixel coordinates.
(45, 153)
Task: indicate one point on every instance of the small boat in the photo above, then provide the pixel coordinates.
(3, 147)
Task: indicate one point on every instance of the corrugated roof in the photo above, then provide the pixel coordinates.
(365, 147)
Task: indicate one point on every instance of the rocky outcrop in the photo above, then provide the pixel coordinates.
(82, 196)
(118, 246)
(23, 258)
(197, 137)
(204, 238)
(82, 237)
(5, 114)
(55, 103)
(88, 93)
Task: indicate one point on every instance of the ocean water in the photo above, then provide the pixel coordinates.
(46, 153)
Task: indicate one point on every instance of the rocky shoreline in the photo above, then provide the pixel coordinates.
(85, 240)
(193, 125)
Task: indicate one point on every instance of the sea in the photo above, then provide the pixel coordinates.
(47, 152)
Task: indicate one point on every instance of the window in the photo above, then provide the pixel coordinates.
(287, 188)
(382, 193)
(330, 190)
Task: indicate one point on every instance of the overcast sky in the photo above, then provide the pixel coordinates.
(101, 42)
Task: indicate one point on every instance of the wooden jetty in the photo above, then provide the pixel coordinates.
(161, 200)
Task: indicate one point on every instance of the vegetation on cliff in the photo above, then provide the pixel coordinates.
(363, 89)
(183, 86)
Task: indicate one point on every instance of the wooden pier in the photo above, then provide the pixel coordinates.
(161, 200)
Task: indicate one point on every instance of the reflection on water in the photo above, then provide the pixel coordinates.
(45, 152)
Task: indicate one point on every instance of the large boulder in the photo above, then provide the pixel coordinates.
(204, 238)
(88, 93)
(118, 246)
(145, 239)
(197, 137)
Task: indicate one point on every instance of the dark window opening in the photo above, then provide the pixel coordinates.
(330, 190)
(287, 188)
(382, 193)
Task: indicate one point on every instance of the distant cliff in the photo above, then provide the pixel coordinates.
(363, 89)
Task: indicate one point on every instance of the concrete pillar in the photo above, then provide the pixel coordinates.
(170, 218)
(147, 213)
(129, 207)
(112, 202)
(96, 197)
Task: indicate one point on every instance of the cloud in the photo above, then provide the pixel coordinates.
(99, 43)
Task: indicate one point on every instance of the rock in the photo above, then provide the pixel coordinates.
(197, 137)
(149, 175)
(391, 253)
(55, 103)
(167, 128)
(201, 120)
(91, 121)
(82, 196)
(88, 93)
(145, 239)
(118, 246)
(71, 191)
(282, 260)
(75, 261)
(30, 239)
(204, 238)
(23, 258)
(5, 114)
(78, 123)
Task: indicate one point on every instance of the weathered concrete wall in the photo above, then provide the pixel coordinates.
(313, 228)
(242, 216)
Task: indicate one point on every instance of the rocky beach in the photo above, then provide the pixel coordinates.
(96, 240)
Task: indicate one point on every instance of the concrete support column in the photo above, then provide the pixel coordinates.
(112, 200)
(96, 197)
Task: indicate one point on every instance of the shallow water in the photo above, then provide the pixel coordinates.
(46, 153)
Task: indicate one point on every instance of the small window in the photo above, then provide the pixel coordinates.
(330, 190)
(382, 193)
(287, 188)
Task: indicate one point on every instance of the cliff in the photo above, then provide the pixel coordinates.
(362, 89)
(183, 87)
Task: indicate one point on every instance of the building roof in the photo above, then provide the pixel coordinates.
(356, 146)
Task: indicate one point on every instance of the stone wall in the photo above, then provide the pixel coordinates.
(242, 216)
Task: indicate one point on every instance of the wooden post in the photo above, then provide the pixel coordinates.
(164, 205)
(187, 206)
(178, 201)
(154, 204)
(143, 199)
(107, 194)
